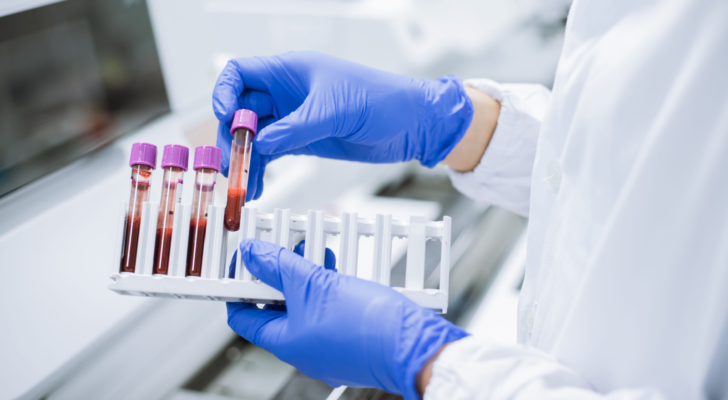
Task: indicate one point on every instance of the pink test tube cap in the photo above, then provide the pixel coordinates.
(207, 157)
(144, 154)
(245, 119)
(175, 155)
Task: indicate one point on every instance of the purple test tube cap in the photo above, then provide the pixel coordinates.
(144, 154)
(207, 157)
(175, 155)
(245, 119)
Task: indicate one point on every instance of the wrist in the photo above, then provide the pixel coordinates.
(423, 377)
(432, 335)
(468, 152)
(445, 117)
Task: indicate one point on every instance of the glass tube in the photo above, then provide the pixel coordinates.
(203, 197)
(171, 196)
(238, 177)
(140, 184)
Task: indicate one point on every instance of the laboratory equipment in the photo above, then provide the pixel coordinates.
(174, 163)
(211, 282)
(207, 165)
(143, 161)
(244, 128)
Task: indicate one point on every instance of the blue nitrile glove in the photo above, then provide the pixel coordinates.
(300, 248)
(338, 328)
(315, 104)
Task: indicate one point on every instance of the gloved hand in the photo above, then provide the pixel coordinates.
(315, 104)
(300, 249)
(338, 328)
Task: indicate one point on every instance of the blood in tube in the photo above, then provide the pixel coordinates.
(198, 228)
(207, 165)
(235, 201)
(162, 246)
(174, 164)
(143, 161)
(244, 128)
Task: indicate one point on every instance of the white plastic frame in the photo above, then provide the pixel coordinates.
(215, 285)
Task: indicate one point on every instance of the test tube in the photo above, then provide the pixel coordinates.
(174, 164)
(207, 165)
(244, 127)
(142, 162)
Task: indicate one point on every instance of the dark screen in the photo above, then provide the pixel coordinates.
(74, 76)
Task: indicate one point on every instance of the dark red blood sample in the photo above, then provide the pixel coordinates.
(131, 243)
(195, 246)
(235, 201)
(163, 243)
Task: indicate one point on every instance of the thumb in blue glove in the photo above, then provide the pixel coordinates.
(300, 248)
(337, 328)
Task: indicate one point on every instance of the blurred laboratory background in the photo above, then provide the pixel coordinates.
(81, 80)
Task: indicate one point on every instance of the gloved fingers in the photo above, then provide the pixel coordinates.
(275, 266)
(260, 327)
(242, 314)
(258, 164)
(231, 275)
(255, 174)
(258, 187)
(226, 93)
(329, 263)
(255, 72)
(300, 248)
(260, 103)
(275, 307)
(224, 142)
(308, 123)
(265, 121)
(329, 256)
(238, 75)
(330, 260)
(261, 259)
(231, 267)
(340, 149)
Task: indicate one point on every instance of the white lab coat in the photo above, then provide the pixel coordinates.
(626, 288)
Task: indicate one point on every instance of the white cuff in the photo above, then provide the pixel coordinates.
(503, 176)
(472, 369)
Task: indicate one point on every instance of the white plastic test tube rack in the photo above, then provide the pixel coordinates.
(215, 285)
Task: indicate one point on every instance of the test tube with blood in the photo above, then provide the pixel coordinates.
(243, 129)
(143, 161)
(174, 164)
(207, 165)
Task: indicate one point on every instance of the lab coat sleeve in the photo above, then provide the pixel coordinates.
(503, 176)
(471, 369)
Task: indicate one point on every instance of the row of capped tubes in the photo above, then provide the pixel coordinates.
(214, 250)
(349, 225)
